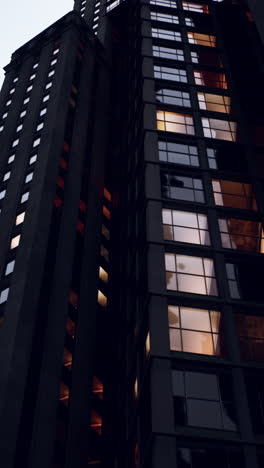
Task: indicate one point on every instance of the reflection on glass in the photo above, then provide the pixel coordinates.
(234, 194)
(242, 234)
(250, 329)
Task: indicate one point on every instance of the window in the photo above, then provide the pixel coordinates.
(11, 159)
(10, 267)
(209, 457)
(234, 194)
(48, 85)
(174, 97)
(6, 176)
(24, 197)
(210, 79)
(204, 400)
(55, 51)
(179, 187)
(104, 253)
(177, 123)
(244, 279)
(12, 90)
(19, 128)
(250, 329)
(241, 234)
(165, 3)
(40, 126)
(51, 73)
(20, 218)
(172, 74)
(202, 39)
(4, 295)
(15, 79)
(46, 98)
(214, 102)
(53, 62)
(227, 158)
(43, 112)
(255, 391)
(105, 232)
(106, 213)
(29, 177)
(157, 16)
(195, 330)
(23, 113)
(36, 142)
(35, 65)
(185, 226)
(102, 299)
(5, 115)
(103, 275)
(15, 143)
(15, 242)
(29, 88)
(26, 101)
(1, 128)
(178, 153)
(168, 53)
(196, 7)
(167, 34)
(190, 274)
(206, 57)
(32, 77)
(33, 159)
(2, 194)
(221, 129)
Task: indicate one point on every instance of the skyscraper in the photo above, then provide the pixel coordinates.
(132, 206)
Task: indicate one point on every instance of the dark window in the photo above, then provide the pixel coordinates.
(180, 187)
(178, 153)
(241, 234)
(227, 157)
(203, 400)
(209, 458)
(245, 280)
(250, 329)
(255, 392)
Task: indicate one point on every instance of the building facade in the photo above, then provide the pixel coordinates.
(132, 209)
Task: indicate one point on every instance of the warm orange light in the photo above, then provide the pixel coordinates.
(102, 299)
(98, 387)
(64, 394)
(107, 195)
(67, 358)
(96, 422)
(103, 275)
(106, 213)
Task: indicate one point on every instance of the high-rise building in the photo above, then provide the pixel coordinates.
(131, 240)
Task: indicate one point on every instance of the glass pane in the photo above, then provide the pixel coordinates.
(186, 235)
(166, 217)
(170, 262)
(171, 281)
(188, 264)
(174, 316)
(175, 340)
(178, 383)
(201, 385)
(215, 320)
(195, 319)
(167, 232)
(197, 342)
(183, 218)
(191, 284)
(211, 286)
(204, 413)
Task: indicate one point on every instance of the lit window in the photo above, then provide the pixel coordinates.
(11, 159)
(178, 153)
(103, 275)
(36, 142)
(102, 299)
(106, 213)
(157, 16)
(20, 218)
(55, 51)
(184, 226)
(26, 100)
(250, 329)
(221, 129)
(19, 128)
(201, 39)
(174, 97)
(177, 123)
(105, 232)
(53, 62)
(15, 142)
(107, 194)
(189, 22)
(64, 394)
(1, 128)
(23, 113)
(43, 112)
(167, 34)
(8, 102)
(168, 53)
(171, 74)
(29, 88)
(2, 194)
(51, 73)
(241, 234)
(40, 126)
(166, 3)
(46, 98)
(4, 295)
(33, 159)
(24, 197)
(204, 400)
(48, 85)
(29, 177)
(15, 79)
(195, 330)
(210, 79)
(5, 115)
(196, 7)
(96, 422)
(32, 77)
(180, 187)
(98, 388)
(15, 242)
(190, 274)
(10, 267)
(7, 176)
(234, 194)
(12, 91)
(214, 102)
